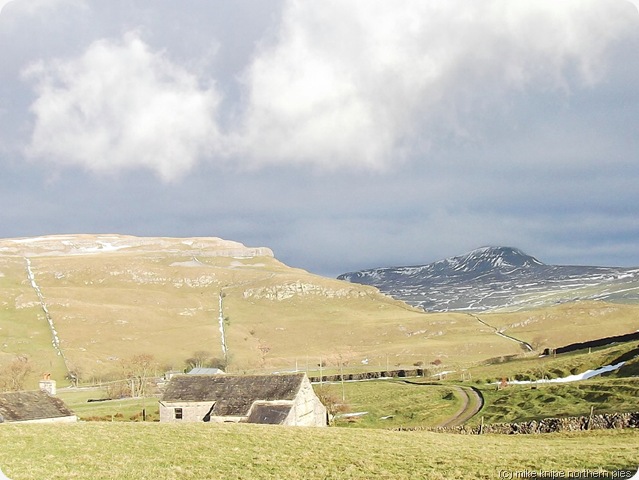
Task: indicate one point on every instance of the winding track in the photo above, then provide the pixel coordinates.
(472, 403)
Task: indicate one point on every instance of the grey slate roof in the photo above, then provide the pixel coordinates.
(269, 414)
(233, 394)
(37, 405)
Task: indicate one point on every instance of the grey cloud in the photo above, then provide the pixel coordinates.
(402, 81)
(344, 135)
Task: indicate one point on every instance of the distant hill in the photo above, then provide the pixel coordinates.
(492, 278)
(82, 303)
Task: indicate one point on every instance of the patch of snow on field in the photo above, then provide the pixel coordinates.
(221, 322)
(102, 247)
(351, 415)
(22, 241)
(236, 263)
(573, 378)
(189, 263)
(36, 288)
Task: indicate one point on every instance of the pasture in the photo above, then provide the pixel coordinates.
(153, 451)
(412, 402)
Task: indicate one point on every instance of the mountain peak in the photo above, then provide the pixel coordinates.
(491, 258)
(497, 277)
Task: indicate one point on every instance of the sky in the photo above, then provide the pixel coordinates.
(342, 134)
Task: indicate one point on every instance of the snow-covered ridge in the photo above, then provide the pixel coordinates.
(498, 277)
(108, 243)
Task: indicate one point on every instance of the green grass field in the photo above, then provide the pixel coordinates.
(517, 403)
(119, 410)
(393, 403)
(424, 402)
(155, 451)
(533, 367)
(409, 404)
(558, 325)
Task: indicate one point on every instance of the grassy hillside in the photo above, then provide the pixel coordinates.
(164, 300)
(533, 367)
(23, 328)
(111, 297)
(518, 403)
(567, 323)
(203, 451)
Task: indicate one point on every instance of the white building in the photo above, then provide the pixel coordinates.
(272, 399)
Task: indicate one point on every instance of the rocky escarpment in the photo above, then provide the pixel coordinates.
(285, 291)
(53, 245)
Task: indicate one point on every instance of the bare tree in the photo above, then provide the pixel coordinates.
(200, 359)
(264, 349)
(138, 370)
(331, 400)
(13, 375)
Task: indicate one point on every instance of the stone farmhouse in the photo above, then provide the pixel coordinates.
(269, 399)
(33, 407)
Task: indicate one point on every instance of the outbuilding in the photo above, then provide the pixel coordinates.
(33, 407)
(283, 399)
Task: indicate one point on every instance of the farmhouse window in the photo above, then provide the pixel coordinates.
(178, 414)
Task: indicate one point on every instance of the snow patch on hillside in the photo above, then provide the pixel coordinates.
(573, 378)
(55, 339)
(189, 263)
(105, 243)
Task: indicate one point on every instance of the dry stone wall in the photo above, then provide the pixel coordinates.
(606, 421)
(417, 372)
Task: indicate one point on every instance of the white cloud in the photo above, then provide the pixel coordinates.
(122, 106)
(339, 84)
(355, 83)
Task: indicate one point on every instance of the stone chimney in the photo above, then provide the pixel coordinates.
(47, 385)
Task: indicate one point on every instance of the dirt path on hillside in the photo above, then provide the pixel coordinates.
(472, 403)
